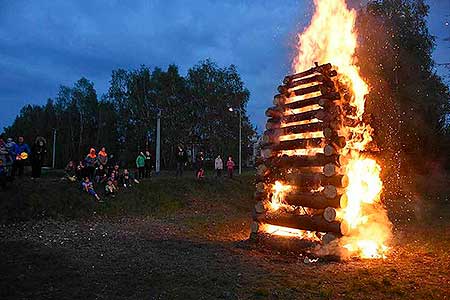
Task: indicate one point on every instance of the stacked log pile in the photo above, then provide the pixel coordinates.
(301, 147)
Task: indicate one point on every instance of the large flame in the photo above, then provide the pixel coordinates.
(331, 37)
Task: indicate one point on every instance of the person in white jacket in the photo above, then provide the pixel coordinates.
(218, 166)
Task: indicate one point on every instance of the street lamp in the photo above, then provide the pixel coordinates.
(240, 137)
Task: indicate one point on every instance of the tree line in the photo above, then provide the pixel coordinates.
(409, 101)
(199, 111)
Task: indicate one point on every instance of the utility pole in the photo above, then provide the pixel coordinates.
(158, 142)
(240, 138)
(54, 148)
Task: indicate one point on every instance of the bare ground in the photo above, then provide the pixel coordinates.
(199, 254)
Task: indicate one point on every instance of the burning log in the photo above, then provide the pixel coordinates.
(301, 161)
(312, 201)
(323, 89)
(324, 101)
(313, 180)
(325, 69)
(303, 222)
(319, 78)
(329, 214)
(308, 115)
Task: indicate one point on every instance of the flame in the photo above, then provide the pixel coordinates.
(331, 37)
(291, 232)
(324, 41)
(305, 135)
(279, 191)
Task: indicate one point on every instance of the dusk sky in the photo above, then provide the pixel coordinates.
(44, 44)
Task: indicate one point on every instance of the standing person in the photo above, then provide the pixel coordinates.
(230, 166)
(148, 164)
(22, 151)
(102, 158)
(90, 162)
(181, 158)
(200, 172)
(38, 153)
(140, 164)
(11, 148)
(218, 166)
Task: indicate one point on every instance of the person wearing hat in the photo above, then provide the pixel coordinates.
(22, 152)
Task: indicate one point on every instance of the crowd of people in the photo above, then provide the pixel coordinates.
(103, 170)
(97, 169)
(15, 156)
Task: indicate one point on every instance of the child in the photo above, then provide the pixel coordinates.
(100, 174)
(80, 171)
(199, 162)
(110, 189)
(70, 172)
(126, 181)
(230, 166)
(89, 188)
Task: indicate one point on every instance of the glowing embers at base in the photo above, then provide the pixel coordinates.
(289, 232)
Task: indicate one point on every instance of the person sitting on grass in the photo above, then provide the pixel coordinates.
(70, 172)
(230, 166)
(110, 189)
(2, 175)
(89, 188)
(100, 174)
(114, 179)
(127, 178)
(80, 171)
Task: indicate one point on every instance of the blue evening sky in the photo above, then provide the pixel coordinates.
(44, 44)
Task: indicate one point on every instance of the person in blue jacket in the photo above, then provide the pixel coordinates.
(22, 152)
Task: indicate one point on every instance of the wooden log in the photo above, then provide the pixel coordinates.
(307, 115)
(274, 112)
(260, 187)
(273, 123)
(311, 200)
(279, 100)
(303, 222)
(296, 129)
(300, 144)
(319, 78)
(330, 170)
(319, 100)
(301, 161)
(323, 89)
(325, 69)
(328, 238)
(312, 179)
(329, 214)
(283, 243)
(260, 196)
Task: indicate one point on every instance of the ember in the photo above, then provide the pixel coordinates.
(318, 179)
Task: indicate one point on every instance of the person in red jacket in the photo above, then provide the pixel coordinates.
(230, 166)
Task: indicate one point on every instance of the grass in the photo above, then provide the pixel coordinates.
(160, 196)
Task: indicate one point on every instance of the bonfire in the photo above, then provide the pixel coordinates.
(318, 179)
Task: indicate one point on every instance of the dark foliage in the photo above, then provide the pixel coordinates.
(194, 113)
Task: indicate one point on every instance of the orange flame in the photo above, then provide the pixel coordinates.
(331, 37)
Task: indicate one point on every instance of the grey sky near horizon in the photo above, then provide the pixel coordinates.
(45, 44)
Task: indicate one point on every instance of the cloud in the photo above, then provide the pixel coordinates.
(47, 43)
